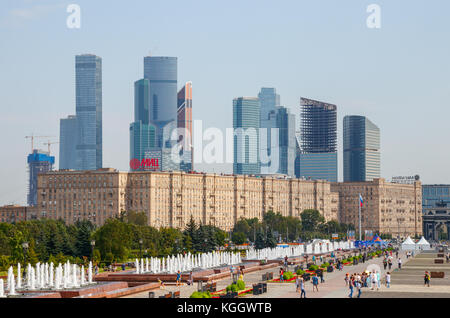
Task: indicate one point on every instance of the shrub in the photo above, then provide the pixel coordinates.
(288, 275)
(313, 267)
(241, 284)
(200, 295)
(233, 287)
(300, 272)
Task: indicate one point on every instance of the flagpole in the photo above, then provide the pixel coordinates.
(359, 205)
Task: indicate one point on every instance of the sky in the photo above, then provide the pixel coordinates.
(396, 75)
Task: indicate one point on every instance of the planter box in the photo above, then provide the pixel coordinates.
(438, 261)
(437, 274)
(440, 255)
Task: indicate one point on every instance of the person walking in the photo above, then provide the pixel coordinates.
(281, 275)
(388, 280)
(315, 282)
(385, 263)
(321, 276)
(297, 284)
(427, 279)
(302, 288)
(399, 263)
(390, 262)
(178, 278)
(377, 273)
(347, 279)
(350, 287)
(358, 287)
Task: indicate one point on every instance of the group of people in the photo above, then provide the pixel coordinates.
(300, 284)
(366, 279)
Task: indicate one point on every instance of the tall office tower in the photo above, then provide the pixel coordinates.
(88, 74)
(361, 149)
(143, 135)
(161, 71)
(287, 141)
(269, 100)
(67, 142)
(318, 128)
(184, 123)
(246, 123)
(38, 162)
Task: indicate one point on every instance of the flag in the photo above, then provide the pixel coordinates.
(361, 201)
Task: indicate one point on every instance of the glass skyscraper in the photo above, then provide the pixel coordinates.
(184, 123)
(161, 71)
(38, 162)
(246, 123)
(88, 77)
(287, 142)
(318, 134)
(361, 149)
(67, 142)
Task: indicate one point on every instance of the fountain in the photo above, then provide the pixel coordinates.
(2, 290)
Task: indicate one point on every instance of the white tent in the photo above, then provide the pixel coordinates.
(408, 245)
(423, 244)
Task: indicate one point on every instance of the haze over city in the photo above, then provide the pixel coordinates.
(397, 75)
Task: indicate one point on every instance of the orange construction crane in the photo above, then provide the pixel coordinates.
(32, 140)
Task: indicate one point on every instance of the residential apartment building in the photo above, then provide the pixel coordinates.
(389, 208)
(170, 198)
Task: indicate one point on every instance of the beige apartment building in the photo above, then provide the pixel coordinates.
(388, 207)
(170, 198)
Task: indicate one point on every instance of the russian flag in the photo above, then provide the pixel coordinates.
(361, 201)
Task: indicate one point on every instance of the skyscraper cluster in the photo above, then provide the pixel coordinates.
(159, 113)
(265, 140)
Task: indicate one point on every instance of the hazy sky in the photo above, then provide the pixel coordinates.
(398, 76)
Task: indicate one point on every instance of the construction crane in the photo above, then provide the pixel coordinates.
(32, 140)
(49, 143)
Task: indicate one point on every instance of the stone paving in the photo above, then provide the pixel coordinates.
(334, 286)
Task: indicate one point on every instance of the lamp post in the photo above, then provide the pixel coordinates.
(140, 246)
(92, 250)
(25, 251)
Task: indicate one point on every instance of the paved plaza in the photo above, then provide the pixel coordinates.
(334, 286)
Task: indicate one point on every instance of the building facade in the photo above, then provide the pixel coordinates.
(67, 142)
(388, 208)
(361, 149)
(318, 137)
(169, 199)
(13, 213)
(38, 162)
(436, 211)
(184, 125)
(88, 77)
(246, 123)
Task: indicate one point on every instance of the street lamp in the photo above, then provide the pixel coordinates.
(92, 250)
(25, 251)
(140, 246)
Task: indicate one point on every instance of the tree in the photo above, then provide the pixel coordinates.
(238, 238)
(114, 237)
(84, 230)
(270, 240)
(259, 242)
(311, 219)
(133, 217)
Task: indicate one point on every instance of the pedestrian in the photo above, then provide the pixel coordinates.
(374, 279)
(388, 280)
(377, 273)
(321, 277)
(358, 287)
(231, 272)
(286, 261)
(297, 284)
(315, 282)
(399, 263)
(390, 263)
(281, 274)
(350, 286)
(427, 279)
(347, 279)
(178, 278)
(302, 288)
(385, 263)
